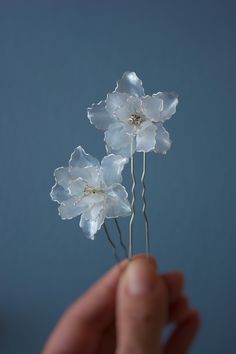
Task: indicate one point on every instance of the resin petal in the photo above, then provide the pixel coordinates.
(92, 220)
(163, 142)
(99, 116)
(59, 194)
(118, 135)
(62, 176)
(146, 137)
(112, 167)
(117, 203)
(152, 107)
(131, 84)
(170, 101)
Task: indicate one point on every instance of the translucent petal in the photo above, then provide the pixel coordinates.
(99, 116)
(69, 209)
(112, 167)
(115, 100)
(77, 187)
(170, 101)
(152, 107)
(62, 176)
(146, 137)
(92, 220)
(117, 203)
(133, 105)
(76, 206)
(117, 136)
(84, 166)
(130, 83)
(59, 194)
(163, 142)
(81, 159)
(126, 151)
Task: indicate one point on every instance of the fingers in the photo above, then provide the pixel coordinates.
(178, 310)
(87, 317)
(174, 282)
(141, 311)
(183, 336)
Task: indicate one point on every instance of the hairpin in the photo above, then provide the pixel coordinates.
(132, 122)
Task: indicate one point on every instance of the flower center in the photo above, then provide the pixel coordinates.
(91, 190)
(136, 119)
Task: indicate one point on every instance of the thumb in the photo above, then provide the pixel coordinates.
(141, 309)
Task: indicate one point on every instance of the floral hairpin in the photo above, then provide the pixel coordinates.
(133, 122)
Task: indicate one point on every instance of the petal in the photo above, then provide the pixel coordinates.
(130, 83)
(146, 137)
(117, 203)
(62, 176)
(81, 159)
(163, 142)
(84, 166)
(152, 107)
(69, 209)
(133, 105)
(112, 167)
(76, 206)
(115, 100)
(99, 116)
(76, 187)
(118, 135)
(126, 152)
(170, 101)
(92, 220)
(59, 194)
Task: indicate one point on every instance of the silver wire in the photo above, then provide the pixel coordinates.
(121, 238)
(132, 207)
(111, 242)
(147, 242)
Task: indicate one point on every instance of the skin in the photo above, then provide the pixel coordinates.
(115, 317)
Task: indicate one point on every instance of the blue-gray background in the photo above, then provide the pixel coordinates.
(56, 58)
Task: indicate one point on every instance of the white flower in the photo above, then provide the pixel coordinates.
(91, 189)
(133, 121)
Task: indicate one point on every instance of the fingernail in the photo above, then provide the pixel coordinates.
(140, 277)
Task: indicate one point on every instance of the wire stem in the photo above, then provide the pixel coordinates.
(132, 207)
(111, 242)
(121, 238)
(147, 242)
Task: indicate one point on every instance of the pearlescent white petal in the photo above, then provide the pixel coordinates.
(77, 187)
(130, 83)
(81, 159)
(118, 135)
(99, 116)
(62, 176)
(114, 101)
(84, 166)
(133, 105)
(76, 206)
(112, 167)
(146, 137)
(69, 209)
(59, 194)
(117, 203)
(163, 142)
(126, 152)
(92, 220)
(170, 101)
(152, 107)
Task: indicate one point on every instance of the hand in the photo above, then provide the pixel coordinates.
(125, 312)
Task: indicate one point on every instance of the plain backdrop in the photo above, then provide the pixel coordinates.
(56, 59)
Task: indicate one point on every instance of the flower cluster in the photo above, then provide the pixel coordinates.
(91, 189)
(132, 121)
